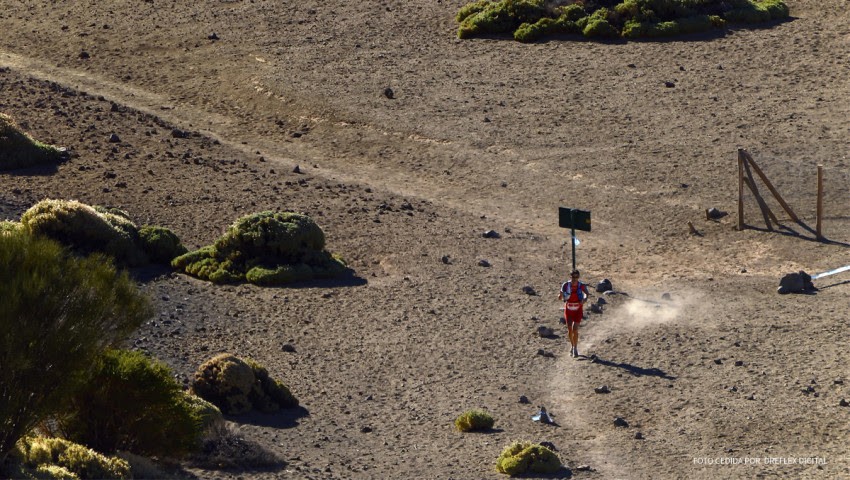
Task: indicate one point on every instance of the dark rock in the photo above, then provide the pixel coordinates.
(545, 331)
(718, 361)
(739, 363)
(602, 389)
(446, 259)
(666, 296)
(523, 399)
(638, 436)
(585, 468)
(177, 133)
(297, 169)
(212, 36)
(84, 55)
(288, 347)
(669, 84)
(544, 353)
(843, 403)
(604, 286)
(114, 138)
(549, 445)
(601, 301)
(714, 214)
(621, 422)
(483, 263)
(366, 429)
(491, 234)
(595, 308)
(388, 92)
(529, 290)
(795, 283)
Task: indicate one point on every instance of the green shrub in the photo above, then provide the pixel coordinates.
(133, 403)
(19, 150)
(85, 229)
(474, 420)
(7, 226)
(610, 19)
(267, 248)
(237, 386)
(37, 457)
(160, 244)
(526, 457)
(57, 314)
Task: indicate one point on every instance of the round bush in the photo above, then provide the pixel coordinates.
(133, 403)
(85, 229)
(526, 457)
(237, 386)
(160, 244)
(474, 420)
(267, 248)
(38, 457)
(19, 150)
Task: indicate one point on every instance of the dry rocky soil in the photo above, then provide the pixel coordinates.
(475, 135)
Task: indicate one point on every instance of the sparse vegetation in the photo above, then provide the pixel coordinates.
(267, 248)
(526, 457)
(87, 229)
(227, 448)
(474, 420)
(47, 458)
(237, 386)
(530, 20)
(132, 403)
(19, 150)
(57, 314)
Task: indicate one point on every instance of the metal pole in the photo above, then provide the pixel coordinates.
(573, 237)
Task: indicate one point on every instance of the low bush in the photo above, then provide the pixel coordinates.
(474, 420)
(38, 457)
(58, 313)
(526, 457)
(238, 386)
(266, 248)
(19, 150)
(227, 448)
(530, 20)
(133, 403)
(160, 244)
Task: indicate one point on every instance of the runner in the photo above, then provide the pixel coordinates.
(574, 294)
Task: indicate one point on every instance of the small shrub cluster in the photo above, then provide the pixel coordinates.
(19, 150)
(238, 386)
(133, 403)
(530, 20)
(227, 448)
(38, 457)
(526, 457)
(87, 229)
(474, 420)
(266, 248)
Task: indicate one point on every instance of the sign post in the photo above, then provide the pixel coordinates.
(574, 219)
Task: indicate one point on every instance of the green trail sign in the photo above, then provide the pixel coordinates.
(574, 219)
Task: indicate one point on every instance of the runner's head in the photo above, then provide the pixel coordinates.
(575, 274)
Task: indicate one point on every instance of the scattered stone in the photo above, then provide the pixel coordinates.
(602, 389)
(177, 133)
(388, 92)
(544, 353)
(638, 436)
(718, 361)
(549, 445)
(838, 381)
(733, 388)
(843, 403)
(751, 397)
(523, 399)
(446, 259)
(529, 290)
(601, 301)
(366, 429)
(714, 214)
(542, 416)
(545, 331)
(808, 390)
(297, 134)
(491, 234)
(84, 55)
(212, 36)
(504, 184)
(483, 263)
(487, 120)
(739, 363)
(595, 308)
(297, 169)
(666, 296)
(585, 468)
(114, 138)
(795, 283)
(604, 286)
(621, 422)
(669, 84)
(288, 347)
